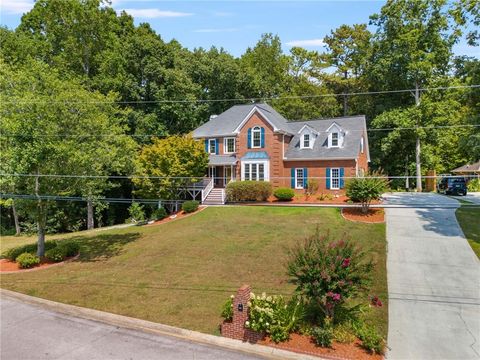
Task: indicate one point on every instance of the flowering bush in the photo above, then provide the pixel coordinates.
(328, 272)
(272, 315)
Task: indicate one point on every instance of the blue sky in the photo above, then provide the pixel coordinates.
(236, 25)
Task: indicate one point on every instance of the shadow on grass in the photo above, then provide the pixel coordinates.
(102, 247)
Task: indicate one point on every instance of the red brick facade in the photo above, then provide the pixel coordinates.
(276, 145)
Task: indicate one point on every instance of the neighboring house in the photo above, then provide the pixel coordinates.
(470, 170)
(255, 142)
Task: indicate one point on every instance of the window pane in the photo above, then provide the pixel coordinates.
(254, 171)
(231, 145)
(261, 172)
(247, 172)
(299, 183)
(212, 146)
(334, 139)
(306, 140)
(335, 178)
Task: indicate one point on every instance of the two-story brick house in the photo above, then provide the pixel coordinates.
(254, 142)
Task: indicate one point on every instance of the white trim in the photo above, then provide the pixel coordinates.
(312, 130)
(296, 178)
(331, 179)
(249, 115)
(336, 125)
(266, 168)
(225, 147)
(252, 138)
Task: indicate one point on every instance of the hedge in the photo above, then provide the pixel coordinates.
(284, 194)
(190, 206)
(159, 214)
(13, 253)
(54, 250)
(27, 260)
(248, 191)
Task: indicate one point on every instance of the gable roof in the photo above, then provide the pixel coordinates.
(475, 167)
(230, 121)
(354, 127)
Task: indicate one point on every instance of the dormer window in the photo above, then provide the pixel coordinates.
(306, 140)
(335, 139)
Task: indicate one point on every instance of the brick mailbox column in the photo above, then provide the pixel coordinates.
(236, 328)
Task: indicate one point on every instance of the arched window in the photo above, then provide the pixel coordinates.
(256, 137)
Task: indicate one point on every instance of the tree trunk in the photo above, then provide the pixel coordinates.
(90, 218)
(41, 220)
(15, 219)
(417, 145)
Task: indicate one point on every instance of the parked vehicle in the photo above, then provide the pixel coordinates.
(452, 186)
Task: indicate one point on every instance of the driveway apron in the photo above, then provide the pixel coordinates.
(433, 281)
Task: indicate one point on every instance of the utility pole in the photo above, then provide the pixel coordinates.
(417, 145)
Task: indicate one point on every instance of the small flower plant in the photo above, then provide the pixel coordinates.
(227, 309)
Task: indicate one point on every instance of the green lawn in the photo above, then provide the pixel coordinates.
(468, 219)
(180, 273)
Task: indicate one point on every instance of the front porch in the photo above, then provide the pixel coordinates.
(221, 174)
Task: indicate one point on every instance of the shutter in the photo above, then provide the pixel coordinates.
(292, 178)
(206, 145)
(328, 178)
(262, 137)
(342, 181)
(305, 177)
(216, 146)
(249, 138)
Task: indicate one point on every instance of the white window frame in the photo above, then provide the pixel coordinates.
(255, 130)
(332, 186)
(298, 177)
(306, 137)
(250, 163)
(225, 145)
(338, 140)
(210, 146)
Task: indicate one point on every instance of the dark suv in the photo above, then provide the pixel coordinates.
(452, 185)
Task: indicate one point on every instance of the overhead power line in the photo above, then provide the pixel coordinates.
(163, 136)
(251, 99)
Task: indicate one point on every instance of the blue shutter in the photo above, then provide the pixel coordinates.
(292, 179)
(342, 181)
(216, 146)
(206, 145)
(328, 178)
(262, 137)
(305, 176)
(249, 138)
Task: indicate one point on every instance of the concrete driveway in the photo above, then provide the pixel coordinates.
(433, 281)
(473, 197)
(32, 332)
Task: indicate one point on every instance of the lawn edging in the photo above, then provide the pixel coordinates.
(155, 328)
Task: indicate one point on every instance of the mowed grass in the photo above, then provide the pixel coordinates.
(468, 218)
(180, 273)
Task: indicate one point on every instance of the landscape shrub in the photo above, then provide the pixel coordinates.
(227, 309)
(272, 315)
(371, 339)
(71, 248)
(27, 260)
(159, 214)
(190, 206)
(344, 334)
(137, 213)
(312, 187)
(473, 185)
(323, 336)
(13, 253)
(284, 194)
(366, 189)
(328, 272)
(248, 191)
(323, 197)
(56, 254)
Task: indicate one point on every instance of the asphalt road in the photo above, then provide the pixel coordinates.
(433, 282)
(31, 332)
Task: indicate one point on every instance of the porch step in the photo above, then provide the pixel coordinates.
(214, 197)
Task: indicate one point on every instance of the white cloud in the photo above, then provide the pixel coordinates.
(15, 6)
(215, 30)
(307, 43)
(155, 13)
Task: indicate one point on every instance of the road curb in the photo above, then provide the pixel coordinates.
(156, 328)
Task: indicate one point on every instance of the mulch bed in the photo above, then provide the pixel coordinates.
(313, 199)
(373, 216)
(304, 344)
(179, 215)
(8, 266)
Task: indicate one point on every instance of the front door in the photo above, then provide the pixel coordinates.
(227, 175)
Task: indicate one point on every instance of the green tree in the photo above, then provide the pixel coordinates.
(165, 167)
(54, 126)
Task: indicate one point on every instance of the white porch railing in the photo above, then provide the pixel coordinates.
(207, 190)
